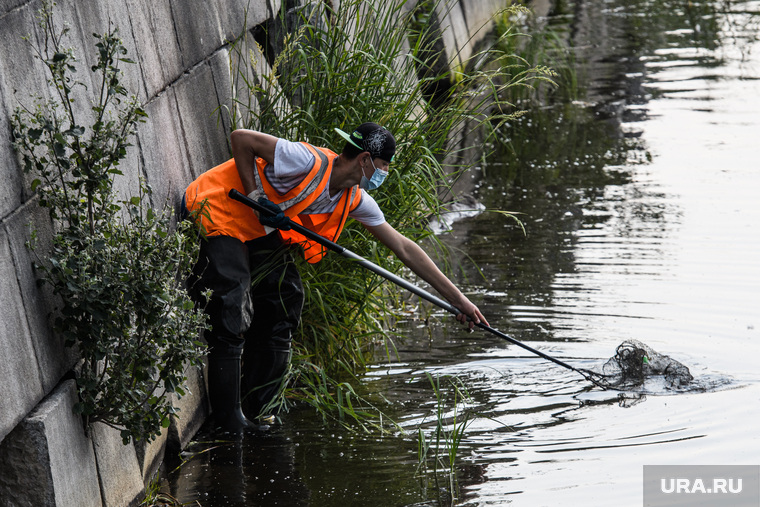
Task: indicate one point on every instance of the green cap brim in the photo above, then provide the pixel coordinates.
(347, 138)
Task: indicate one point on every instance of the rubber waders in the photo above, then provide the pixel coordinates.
(224, 393)
(263, 370)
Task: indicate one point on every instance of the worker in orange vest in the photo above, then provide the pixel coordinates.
(246, 262)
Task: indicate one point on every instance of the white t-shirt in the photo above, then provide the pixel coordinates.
(293, 161)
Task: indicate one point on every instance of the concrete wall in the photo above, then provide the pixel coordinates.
(181, 77)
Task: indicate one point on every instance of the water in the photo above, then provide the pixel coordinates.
(639, 202)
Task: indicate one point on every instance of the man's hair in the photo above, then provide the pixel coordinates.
(351, 151)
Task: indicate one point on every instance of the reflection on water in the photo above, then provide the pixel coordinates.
(639, 202)
(258, 469)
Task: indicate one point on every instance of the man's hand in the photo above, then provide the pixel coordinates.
(470, 311)
(276, 219)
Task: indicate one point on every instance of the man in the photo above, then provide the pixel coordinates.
(256, 292)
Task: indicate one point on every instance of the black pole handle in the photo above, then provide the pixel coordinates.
(238, 196)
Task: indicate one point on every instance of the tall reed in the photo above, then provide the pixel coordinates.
(441, 446)
(368, 61)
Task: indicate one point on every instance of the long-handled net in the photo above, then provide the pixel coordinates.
(632, 364)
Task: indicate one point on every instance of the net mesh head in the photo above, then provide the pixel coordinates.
(633, 363)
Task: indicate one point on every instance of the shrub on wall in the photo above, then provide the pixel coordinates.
(116, 266)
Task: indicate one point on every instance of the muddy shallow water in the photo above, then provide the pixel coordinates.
(640, 203)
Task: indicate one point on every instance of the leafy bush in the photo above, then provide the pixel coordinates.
(117, 266)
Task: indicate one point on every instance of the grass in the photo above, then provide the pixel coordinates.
(441, 446)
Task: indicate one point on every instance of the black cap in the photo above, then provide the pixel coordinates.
(371, 137)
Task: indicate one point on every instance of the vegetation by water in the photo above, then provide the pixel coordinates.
(370, 62)
(441, 446)
(115, 265)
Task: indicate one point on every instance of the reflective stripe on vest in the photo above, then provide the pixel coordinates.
(328, 225)
(228, 217)
(305, 192)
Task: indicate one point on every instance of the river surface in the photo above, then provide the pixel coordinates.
(639, 196)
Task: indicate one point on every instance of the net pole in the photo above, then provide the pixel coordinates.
(414, 289)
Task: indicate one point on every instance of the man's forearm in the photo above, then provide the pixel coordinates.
(247, 145)
(245, 159)
(414, 257)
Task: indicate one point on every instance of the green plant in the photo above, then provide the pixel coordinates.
(334, 400)
(369, 61)
(544, 46)
(154, 497)
(442, 445)
(116, 266)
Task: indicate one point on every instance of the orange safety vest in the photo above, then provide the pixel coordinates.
(228, 217)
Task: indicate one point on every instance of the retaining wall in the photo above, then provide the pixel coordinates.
(181, 77)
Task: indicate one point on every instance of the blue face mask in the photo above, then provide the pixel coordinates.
(375, 181)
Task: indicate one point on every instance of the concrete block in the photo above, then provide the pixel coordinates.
(193, 410)
(219, 63)
(163, 155)
(239, 15)
(12, 186)
(121, 483)
(198, 28)
(21, 386)
(53, 358)
(21, 75)
(247, 66)
(9, 5)
(541, 8)
(100, 17)
(454, 32)
(157, 48)
(479, 16)
(473, 21)
(127, 184)
(205, 137)
(82, 44)
(86, 18)
(312, 12)
(236, 17)
(150, 455)
(47, 460)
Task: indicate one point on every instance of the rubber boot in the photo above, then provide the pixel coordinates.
(224, 393)
(263, 370)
